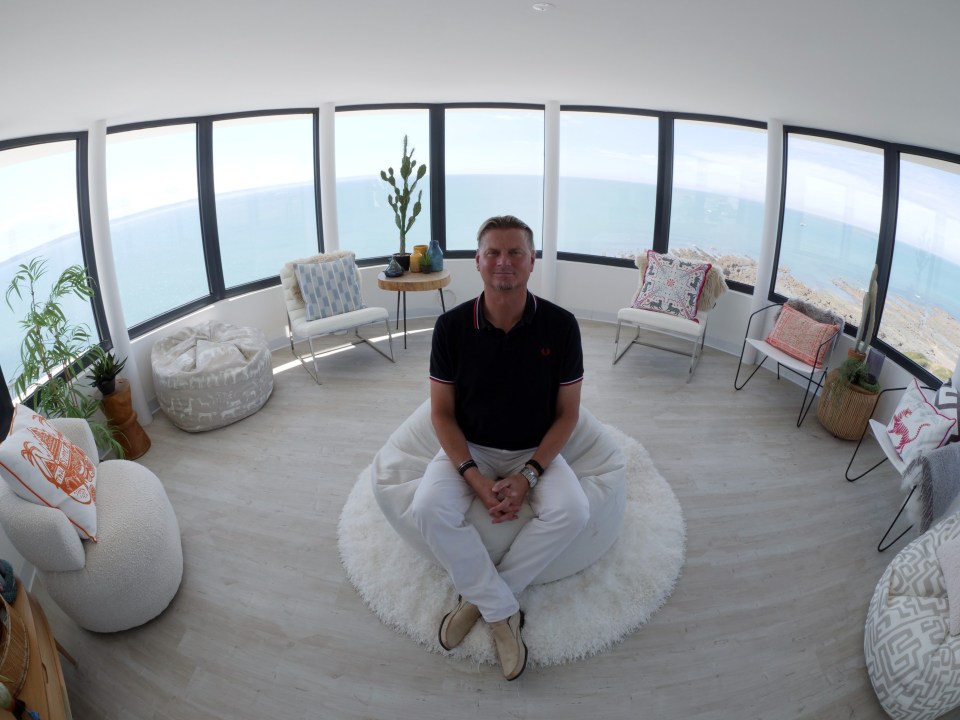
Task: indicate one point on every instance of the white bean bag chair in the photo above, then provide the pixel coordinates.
(912, 659)
(592, 453)
(131, 573)
(210, 375)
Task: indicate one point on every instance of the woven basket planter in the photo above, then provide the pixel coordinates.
(844, 409)
(14, 650)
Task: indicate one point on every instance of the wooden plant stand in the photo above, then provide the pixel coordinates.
(118, 409)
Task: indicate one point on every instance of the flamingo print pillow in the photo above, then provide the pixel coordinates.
(44, 467)
(917, 426)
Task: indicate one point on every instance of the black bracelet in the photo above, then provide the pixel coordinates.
(466, 465)
(536, 466)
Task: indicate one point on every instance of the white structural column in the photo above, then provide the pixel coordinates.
(108, 287)
(328, 177)
(551, 199)
(771, 223)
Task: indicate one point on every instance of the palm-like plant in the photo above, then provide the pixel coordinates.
(53, 349)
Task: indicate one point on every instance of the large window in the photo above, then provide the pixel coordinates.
(369, 141)
(39, 218)
(608, 183)
(263, 170)
(155, 220)
(921, 315)
(719, 184)
(831, 222)
(494, 166)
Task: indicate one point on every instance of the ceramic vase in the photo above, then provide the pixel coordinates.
(436, 256)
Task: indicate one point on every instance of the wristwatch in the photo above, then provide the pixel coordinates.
(530, 475)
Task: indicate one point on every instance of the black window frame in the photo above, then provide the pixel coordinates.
(206, 196)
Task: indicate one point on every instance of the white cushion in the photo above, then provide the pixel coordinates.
(948, 555)
(670, 324)
(591, 452)
(917, 426)
(44, 467)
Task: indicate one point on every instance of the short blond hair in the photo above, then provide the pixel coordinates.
(506, 222)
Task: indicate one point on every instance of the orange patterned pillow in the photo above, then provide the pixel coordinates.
(44, 467)
(801, 337)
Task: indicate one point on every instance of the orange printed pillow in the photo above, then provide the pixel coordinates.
(44, 467)
(801, 337)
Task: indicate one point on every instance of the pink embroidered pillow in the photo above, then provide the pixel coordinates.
(44, 467)
(917, 426)
(800, 336)
(672, 286)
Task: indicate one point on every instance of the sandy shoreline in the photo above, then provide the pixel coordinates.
(929, 337)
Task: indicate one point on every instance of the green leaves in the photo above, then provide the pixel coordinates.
(53, 350)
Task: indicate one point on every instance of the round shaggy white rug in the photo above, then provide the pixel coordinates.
(572, 618)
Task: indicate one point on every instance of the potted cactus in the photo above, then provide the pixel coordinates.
(400, 195)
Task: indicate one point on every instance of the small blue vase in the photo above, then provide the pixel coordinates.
(436, 256)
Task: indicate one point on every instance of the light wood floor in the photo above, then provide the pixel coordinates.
(766, 620)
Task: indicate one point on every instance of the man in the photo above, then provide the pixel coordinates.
(506, 371)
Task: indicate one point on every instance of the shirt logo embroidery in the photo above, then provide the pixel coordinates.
(544, 352)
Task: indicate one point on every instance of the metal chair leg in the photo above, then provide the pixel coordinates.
(881, 547)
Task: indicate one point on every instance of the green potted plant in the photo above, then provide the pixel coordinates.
(400, 196)
(53, 350)
(104, 370)
(850, 392)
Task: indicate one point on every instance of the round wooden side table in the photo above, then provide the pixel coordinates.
(413, 282)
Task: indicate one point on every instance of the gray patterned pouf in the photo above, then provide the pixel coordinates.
(210, 375)
(913, 661)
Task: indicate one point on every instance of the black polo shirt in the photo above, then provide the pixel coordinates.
(506, 383)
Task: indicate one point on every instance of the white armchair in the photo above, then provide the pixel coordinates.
(648, 321)
(335, 297)
(131, 573)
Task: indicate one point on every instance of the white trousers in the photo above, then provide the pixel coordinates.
(561, 511)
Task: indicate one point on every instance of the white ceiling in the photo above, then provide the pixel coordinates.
(879, 68)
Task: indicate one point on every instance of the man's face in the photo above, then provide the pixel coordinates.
(504, 259)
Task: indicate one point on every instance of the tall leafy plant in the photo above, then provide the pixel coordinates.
(53, 348)
(399, 199)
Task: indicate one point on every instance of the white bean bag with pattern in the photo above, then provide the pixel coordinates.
(210, 375)
(913, 661)
(592, 452)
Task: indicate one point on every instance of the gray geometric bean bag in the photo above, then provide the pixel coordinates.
(210, 375)
(912, 659)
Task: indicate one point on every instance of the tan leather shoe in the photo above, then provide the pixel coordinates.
(455, 625)
(510, 648)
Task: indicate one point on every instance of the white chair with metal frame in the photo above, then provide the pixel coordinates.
(909, 427)
(700, 291)
(322, 296)
(815, 365)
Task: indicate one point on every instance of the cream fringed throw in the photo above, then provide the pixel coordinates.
(713, 287)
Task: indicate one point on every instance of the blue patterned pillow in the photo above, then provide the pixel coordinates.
(329, 288)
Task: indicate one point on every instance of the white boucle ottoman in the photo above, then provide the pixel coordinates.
(210, 375)
(593, 454)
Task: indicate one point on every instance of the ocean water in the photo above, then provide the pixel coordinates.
(161, 255)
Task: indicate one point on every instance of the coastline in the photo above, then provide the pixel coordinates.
(928, 336)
